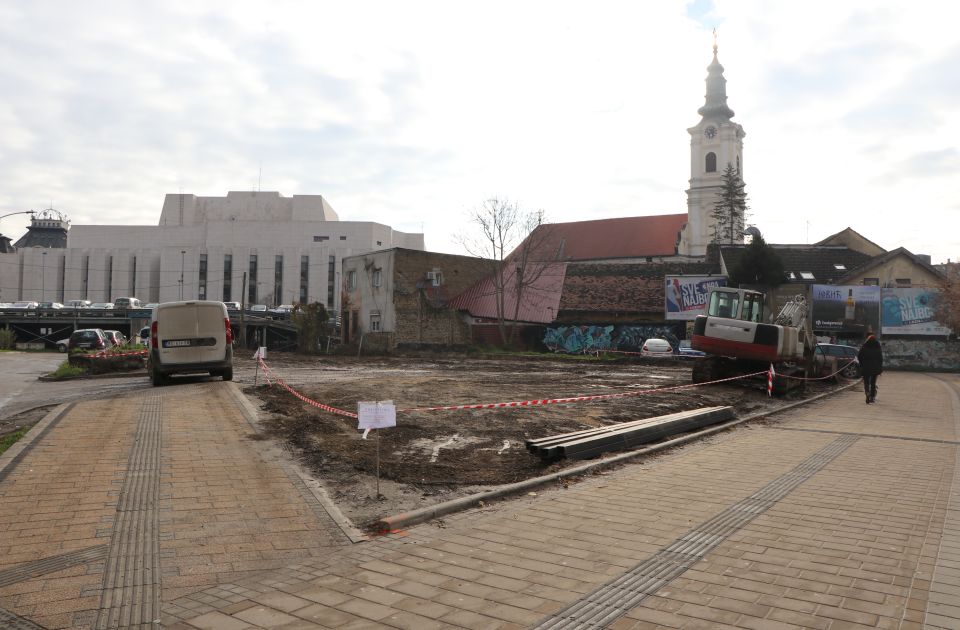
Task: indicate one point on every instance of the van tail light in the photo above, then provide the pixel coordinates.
(226, 322)
(153, 334)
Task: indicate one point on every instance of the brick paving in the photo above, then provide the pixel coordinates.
(869, 539)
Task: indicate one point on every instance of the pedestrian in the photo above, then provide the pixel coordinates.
(871, 366)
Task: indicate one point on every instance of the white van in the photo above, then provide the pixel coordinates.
(190, 338)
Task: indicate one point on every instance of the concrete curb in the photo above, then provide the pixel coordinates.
(414, 517)
(315, 488)
(12, 455)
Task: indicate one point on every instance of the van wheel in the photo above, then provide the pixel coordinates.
(227, 374)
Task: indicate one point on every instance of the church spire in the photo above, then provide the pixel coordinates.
(715, 106)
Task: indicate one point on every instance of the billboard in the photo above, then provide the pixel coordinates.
(686, 296)
(846, 308)
(910, 312)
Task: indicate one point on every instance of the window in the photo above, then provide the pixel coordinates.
(374, 322)
(252, 288)
(320, 239)
(351, 280)
(752, 308)
(109, 278)
(723, 304)
(202, 277)
(377, 275)
(133, 276)
(278, 279)
(791, 275)
(711, 162)
(379, 242)
(903, 282)
(839, 266)
(343, 238)
(331, 279)
(227, 276)
(806, 275)
(304, 278)
(871, 282)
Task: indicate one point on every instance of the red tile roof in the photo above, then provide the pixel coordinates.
(539, 303)
(628, 237)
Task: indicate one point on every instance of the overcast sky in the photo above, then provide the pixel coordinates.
(412, 113)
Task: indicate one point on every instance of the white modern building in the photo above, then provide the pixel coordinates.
(286, 250)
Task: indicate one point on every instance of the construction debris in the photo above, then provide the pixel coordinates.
(592, 442)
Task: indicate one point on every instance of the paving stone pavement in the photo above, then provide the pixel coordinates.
(833, 515)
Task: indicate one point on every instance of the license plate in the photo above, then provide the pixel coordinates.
(176, 343)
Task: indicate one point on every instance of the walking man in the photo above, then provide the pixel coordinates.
(871, 366)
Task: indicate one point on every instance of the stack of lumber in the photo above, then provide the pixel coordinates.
(592, 442)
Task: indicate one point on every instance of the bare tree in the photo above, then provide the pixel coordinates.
(516, 244)
(947, 305)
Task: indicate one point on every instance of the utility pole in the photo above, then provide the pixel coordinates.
(243, 312)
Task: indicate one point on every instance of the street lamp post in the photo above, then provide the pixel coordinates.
(182, 252)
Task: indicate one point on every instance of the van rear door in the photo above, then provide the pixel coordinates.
(191, 333)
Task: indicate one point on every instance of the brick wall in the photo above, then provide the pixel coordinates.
(421, 317)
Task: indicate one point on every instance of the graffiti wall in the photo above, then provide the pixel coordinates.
(921, 354)
(627, 337)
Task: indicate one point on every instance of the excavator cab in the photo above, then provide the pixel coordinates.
(731, 303)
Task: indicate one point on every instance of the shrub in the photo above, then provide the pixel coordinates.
(65, 370)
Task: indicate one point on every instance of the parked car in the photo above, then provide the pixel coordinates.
(63, 345)
(654, 347)
(78, 304)
(144, 336)
(188, 338)
(25, 305)
(116, 337)
(232, 306)
(830, 357)
(686, 350)
(88, 339)
(126, 302)
(102, 305)
(51, 305)
(258, 308)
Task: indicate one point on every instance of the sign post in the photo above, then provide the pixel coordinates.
(261, 353)
(381, 414)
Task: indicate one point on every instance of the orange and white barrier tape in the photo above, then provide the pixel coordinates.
(268, 373)
(104, 353)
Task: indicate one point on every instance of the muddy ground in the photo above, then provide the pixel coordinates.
(432, 456)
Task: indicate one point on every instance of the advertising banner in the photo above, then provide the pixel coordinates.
(846, 308)
(910, 312)
(686, 296)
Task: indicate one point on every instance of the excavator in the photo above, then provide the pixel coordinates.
(738, 339)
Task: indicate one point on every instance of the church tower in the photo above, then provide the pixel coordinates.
(714, 142)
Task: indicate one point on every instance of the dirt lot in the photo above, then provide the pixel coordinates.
(434, 456)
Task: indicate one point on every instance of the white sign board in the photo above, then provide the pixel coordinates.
(380, 414)
(261, 353)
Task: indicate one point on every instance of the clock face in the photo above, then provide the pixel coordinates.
(710, 132)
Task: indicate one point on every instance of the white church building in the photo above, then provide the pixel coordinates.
(286, 249)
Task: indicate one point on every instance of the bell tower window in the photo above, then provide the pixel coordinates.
(711, 162)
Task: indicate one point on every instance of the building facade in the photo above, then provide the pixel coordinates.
(715, 142)
(247, 247)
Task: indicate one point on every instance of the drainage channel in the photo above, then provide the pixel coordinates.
(131, 577)
(611, 601)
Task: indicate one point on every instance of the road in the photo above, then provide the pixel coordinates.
(21, 391)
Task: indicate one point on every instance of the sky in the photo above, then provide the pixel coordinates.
(412, 114)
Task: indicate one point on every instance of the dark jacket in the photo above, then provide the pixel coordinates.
(870, 357)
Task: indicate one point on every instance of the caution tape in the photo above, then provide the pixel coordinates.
(272, 377)
(269, 375)
(104, 354)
